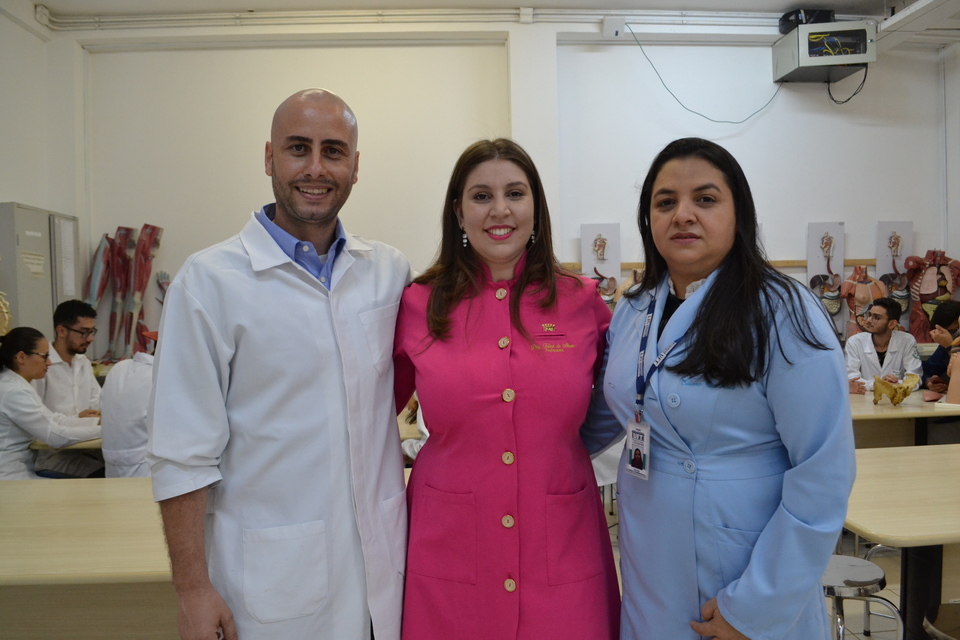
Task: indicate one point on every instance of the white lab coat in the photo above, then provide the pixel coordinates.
(23, 418)
(862, 361)
(279, 395)
(69, 389)
(123, 407)
(748, 485)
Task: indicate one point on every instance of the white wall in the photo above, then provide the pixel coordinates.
(878, 157)
(177, 138)
(23, 134)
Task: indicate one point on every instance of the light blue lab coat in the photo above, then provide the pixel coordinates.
(748, 487)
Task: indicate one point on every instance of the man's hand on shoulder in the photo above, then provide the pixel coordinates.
(201, 613)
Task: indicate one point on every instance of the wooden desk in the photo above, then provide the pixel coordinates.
(909, 497)
(83, 559)
(912, 408)
(95, 443)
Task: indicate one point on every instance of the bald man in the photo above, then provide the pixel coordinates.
(274, 449)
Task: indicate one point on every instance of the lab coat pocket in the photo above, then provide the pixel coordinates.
(734, 547)
(574, 539)
(378, 327)
(394, 513)
(284, 571)
(443, 535)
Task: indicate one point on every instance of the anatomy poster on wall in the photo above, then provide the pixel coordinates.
(825, 267)
(894, 244)
(600, 253)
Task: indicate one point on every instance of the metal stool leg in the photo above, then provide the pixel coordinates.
(839, 626)
(872, 551)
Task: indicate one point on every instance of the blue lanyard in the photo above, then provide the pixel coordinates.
(641, 377)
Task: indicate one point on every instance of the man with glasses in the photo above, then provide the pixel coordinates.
(70, 387)
(882, 350)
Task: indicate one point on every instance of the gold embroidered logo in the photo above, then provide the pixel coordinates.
(549, 327)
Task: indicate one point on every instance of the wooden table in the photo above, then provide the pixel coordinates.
(95, 443)
(83, 559)
(909, 497)
(912, 408)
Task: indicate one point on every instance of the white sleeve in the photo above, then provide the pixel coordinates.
(187, 420)
(24, 409)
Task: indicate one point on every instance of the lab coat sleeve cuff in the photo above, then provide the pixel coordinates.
(171, 480)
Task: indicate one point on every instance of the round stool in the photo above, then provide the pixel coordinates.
(850, 578)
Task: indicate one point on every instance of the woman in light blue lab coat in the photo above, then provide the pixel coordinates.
(739, 456)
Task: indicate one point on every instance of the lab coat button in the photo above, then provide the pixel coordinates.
(510, 585)
(508, 395)
(501, 293)
(673, 400)
(504, 341)
(507, 458)
(507, 521)
(689, 466)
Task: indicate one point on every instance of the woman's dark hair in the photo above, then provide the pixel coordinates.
(20, 339)
(729, 336)
(457, 274)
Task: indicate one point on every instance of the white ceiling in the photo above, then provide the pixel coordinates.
(929, 22)
(59, 8)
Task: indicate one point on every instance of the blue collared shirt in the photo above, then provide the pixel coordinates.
(301, 252)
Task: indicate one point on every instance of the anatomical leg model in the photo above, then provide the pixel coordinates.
(142, 263)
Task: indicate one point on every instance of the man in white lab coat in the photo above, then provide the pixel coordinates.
(274, 448)
(70, 387)
(881, 350)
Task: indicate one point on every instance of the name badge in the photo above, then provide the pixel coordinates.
(638, 454)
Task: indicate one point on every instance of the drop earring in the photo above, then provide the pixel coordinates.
(533, 236)
(465, 243)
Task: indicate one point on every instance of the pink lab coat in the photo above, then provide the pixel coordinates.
(507, 533)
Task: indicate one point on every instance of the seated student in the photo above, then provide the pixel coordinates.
(123, 404)
(945, 332)
(881, 350)
(24, 357)
(70, 387)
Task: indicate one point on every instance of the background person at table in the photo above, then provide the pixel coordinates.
(24, 357)
(751, 441)
(124, 402)
(507, 533)
(70, 387)
(273, 422)
(945, 332)
(881, 350)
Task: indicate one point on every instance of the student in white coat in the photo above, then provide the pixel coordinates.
(728, 379)
(273, 438)
(881, 350)
(123, 404)
(24, 357)
(70, 387)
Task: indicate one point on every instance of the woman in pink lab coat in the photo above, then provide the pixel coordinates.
(507, 533)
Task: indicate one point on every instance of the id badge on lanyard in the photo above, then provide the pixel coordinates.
(638, 445)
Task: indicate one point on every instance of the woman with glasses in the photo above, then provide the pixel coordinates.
(24, 357)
